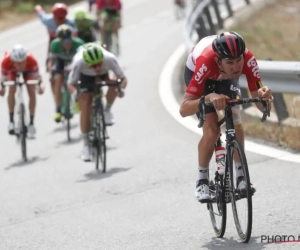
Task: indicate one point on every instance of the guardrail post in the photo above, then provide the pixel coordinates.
(210, 22)
(280, 106)
(217, 11)
(201, 29)
(230, 12)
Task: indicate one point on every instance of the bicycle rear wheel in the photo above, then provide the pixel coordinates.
(23, 132)
(239, 196)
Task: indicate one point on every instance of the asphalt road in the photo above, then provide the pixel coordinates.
(146, 198)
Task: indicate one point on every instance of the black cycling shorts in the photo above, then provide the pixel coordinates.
(228, 87)
(87, 82)
(58, 67)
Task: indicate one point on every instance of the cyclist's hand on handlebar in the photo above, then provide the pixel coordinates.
(219, 100)
(265, 93)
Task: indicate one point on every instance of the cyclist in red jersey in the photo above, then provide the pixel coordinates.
(19, 60)
(212, 70)
(109, 9)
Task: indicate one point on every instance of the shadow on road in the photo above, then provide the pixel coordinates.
(63, 128)
(73, 141)
(29, 161)
(98, 175)
(234, 243)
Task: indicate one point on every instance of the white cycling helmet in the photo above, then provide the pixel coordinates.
(18, 53)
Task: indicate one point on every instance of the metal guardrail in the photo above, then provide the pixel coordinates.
(205, 18)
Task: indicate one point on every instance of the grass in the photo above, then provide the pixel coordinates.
(274, 31)
(11, 16)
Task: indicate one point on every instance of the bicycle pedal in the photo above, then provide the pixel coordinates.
(205, 201)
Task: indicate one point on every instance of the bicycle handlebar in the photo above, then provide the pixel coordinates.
(231, 103)
(29, 82)
(116, 83)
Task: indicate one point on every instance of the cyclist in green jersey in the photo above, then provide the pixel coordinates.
(86, 26)
(62, 50)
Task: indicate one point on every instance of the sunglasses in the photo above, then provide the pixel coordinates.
(96, 65)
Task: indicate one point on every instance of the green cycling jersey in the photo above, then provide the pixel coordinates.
(58, 51)
(84, 25)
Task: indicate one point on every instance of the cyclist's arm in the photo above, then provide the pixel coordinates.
(46, 19)
(251, 70)
(76, 69)
(189, 105)
(111, 63)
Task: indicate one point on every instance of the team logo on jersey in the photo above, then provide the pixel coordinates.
(252, 63)
(200, 73)
(235, 89)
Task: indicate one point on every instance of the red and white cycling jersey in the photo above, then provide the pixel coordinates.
(8, 70)
(108, 4)
(201, 61)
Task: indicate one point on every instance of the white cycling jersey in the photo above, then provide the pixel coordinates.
(78, 66)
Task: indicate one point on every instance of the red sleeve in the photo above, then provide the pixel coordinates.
(201, 73)
(251, 70)
(5, 64)
(32, 64)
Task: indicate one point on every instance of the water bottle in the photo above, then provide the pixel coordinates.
(220, 153)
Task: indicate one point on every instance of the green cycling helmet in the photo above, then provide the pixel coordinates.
(92, 54)
(80, 14)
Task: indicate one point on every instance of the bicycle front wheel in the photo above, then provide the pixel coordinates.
(241, 200)
(23, 132)
(217, 207)
(100, 142)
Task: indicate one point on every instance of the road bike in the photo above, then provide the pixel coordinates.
(223, 188)
(21, 127)
(98, 133)
(110, 39)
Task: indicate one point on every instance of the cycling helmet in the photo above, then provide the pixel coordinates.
(79, 15)
(18, 53)
(60, 10)
(229, 45)
(64, 31)
(92, 54)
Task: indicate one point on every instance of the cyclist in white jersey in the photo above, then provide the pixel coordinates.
(91, 62)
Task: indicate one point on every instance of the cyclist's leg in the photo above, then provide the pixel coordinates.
(11, 103)
(86, 99)
(206, 146)
(58, 78)
(110, 99)
(31, 89)
(103, 17)
(115, 24)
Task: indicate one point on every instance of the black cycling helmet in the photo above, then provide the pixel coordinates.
(64, 31)
(229, 45)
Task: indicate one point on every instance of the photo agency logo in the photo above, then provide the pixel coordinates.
(270, 239)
